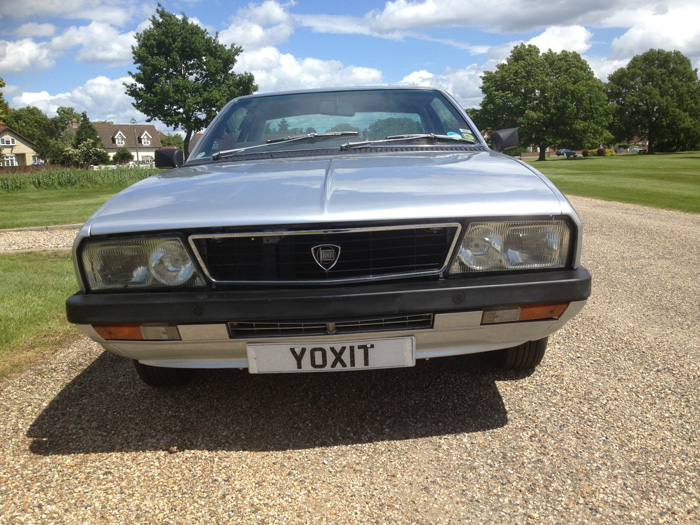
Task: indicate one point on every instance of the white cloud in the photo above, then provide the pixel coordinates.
(99, 43)
(463, 84)
(675, 29)
(117, 13)
(560, 38)
(101, 98)
(32, 29)
(24, 55)
(603, 66)
(258, 26)
(275, 71)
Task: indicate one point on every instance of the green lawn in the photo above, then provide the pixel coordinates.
(669, 181)
(33, 291)
(47, 207)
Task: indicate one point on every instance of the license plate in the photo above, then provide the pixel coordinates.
(268, 358)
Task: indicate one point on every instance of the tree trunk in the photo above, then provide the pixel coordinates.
(543, 153)
(188, 136)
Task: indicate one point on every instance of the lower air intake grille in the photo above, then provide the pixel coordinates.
(251, 329)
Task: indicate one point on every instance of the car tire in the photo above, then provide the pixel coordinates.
(522, 357)
(162, 377)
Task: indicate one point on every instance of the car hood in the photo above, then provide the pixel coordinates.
(331, 189)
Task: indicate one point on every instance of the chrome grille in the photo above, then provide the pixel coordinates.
(288, 256)
(252, 329)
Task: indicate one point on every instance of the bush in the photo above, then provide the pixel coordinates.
(600, 152)
(585, 152)
(123, 156)
(516, 152)
(609, 152)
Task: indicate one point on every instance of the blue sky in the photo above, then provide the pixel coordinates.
(77, 52)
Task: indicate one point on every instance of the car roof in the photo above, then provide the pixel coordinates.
(343, 89)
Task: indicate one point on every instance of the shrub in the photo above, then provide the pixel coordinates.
(609, 152)
(585, 152)
(123, 156)
(600, 152)
(516, 152)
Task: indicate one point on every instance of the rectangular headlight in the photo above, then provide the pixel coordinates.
(138, 263)
(493, 246)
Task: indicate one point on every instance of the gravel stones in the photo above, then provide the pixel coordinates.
(38, 239)
(606, 430)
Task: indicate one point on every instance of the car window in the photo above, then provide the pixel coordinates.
(359, 115)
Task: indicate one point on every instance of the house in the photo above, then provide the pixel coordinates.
(16, 150)
(142, 140)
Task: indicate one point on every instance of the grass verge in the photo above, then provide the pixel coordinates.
(47, 207)
(670, 181)
(60, 196)
(33, 291)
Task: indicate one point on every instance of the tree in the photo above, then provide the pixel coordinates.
(30, 122)
(55, 141)
(380, 129)
(173, 140)
(657, 97)
(552, 98)
(65, 115)
(4, 106)
(123, 156)
(184, 76)
(89, 152)
(86, 131)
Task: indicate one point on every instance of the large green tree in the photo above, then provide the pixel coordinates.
(65, 116)
(184, 76)
(30, 122)
(86, 131)
(173, 140)
(657, 97)
(4, 106)
(554, 99)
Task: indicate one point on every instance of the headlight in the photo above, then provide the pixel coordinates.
(513, 245)
(138, 263)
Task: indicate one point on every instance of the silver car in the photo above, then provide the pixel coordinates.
(328, 231)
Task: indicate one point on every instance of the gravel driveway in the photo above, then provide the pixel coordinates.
(606, 430)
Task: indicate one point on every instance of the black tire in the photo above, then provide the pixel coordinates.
(523, 357)
(162, 377)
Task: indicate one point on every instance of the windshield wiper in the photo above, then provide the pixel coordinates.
(329, 134)
(281, 140)
(432, 137)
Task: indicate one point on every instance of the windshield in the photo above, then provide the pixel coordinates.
(330, 119)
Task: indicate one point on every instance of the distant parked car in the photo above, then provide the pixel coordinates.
(567, 152)
(637, 149)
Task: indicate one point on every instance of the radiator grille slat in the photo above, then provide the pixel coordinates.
(364, 254)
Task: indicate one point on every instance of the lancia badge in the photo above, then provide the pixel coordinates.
(326, 255)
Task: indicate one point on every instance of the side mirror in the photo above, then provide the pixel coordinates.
(169, 158)
(504, 139)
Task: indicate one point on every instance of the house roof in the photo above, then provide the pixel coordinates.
(108, 133)
(5, 127)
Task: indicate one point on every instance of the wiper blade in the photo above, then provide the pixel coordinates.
(292, 138)
(432, 137)
(329, 134)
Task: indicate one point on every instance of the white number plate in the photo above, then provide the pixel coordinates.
(267, 358)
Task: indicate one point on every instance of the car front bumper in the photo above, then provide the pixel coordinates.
(456, 306)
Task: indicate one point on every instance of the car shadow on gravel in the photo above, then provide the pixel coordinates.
(107, 409)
